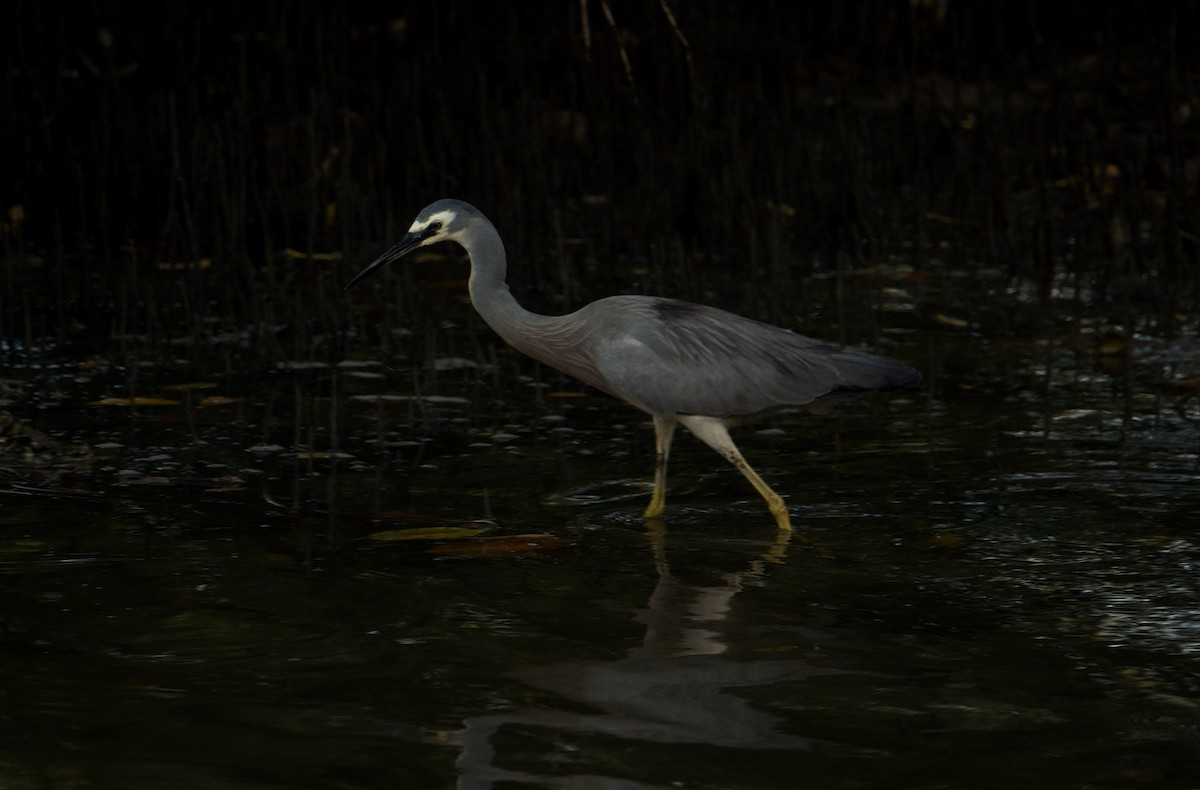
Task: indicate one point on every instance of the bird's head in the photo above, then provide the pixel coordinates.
(444, 220)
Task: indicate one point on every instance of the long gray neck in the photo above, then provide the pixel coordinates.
(490, 293)
(558, 341)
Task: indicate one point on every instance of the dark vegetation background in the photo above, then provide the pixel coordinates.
(191, 170)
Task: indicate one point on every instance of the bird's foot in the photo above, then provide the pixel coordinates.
(654, 512)
(782, 518)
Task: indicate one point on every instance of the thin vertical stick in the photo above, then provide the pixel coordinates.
(586, 29)
(687, 47)
(612, 23)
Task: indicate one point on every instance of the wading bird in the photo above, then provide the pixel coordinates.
(679, 362)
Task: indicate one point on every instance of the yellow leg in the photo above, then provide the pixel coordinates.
(712, 432)
(774, 501)
(664, 429)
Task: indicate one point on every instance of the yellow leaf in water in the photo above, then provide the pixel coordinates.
(134, 402)
(566, 394)
(951, 321)
(427, 533)
(503, 544)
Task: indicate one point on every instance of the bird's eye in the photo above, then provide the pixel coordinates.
(434, 227)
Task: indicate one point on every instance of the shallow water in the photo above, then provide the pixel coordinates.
(985, 587)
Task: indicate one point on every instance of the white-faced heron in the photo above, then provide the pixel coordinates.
(679, 362)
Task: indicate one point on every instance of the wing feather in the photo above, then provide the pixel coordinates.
(667, 356)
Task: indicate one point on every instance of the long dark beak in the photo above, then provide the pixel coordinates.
(403, 247)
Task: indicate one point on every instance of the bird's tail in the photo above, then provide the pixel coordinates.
(861, 371)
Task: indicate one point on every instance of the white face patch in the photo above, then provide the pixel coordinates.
(444, 217)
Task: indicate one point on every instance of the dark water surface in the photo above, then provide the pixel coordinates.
(984, 589)
(992, 582)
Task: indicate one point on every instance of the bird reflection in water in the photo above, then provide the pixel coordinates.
(671, 688)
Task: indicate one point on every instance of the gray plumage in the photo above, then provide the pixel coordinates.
(680, 362)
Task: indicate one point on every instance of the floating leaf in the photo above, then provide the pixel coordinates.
(427, 533)
(134, 402)
(951, 321)
(503, 544)
(218, 400)
(566, 394)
